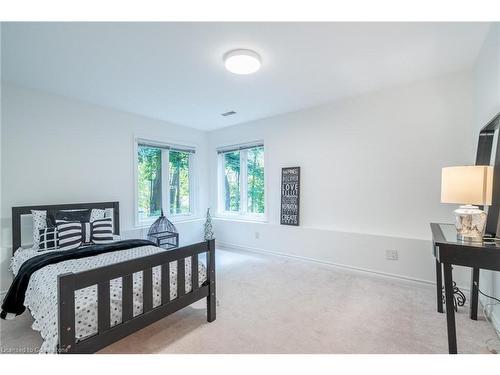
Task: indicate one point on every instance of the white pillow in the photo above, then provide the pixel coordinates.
(39, 222)
(97, 214)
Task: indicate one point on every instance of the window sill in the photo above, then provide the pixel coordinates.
(186, 219)
(242, 218)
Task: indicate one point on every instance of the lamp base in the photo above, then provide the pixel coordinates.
(470, 222)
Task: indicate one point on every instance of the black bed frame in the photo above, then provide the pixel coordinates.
(70, 282)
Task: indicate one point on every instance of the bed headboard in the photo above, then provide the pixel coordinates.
(17, 212)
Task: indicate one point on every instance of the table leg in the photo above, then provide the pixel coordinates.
(450, 311)
(439, 286)
(474, 293)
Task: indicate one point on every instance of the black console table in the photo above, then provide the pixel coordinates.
(448, 252)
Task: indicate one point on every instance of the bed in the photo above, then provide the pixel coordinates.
(101, 299)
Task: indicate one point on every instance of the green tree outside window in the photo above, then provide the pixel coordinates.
(150, 192)
(253, 202)
(255, 160)
(179, 182)
(149, 182)
(232, 181)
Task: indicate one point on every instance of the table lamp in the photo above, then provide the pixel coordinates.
(468, 186)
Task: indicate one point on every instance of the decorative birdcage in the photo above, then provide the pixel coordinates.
(164, 233)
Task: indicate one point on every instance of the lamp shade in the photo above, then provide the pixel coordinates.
(467, 185)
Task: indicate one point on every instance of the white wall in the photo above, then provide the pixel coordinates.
(370, 169)
(370, 175)
(60, 150)
(486, 85)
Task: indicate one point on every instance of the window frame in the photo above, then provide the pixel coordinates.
(243, 213)
(165, 160)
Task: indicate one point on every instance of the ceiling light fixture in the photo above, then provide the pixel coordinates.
(242, 61)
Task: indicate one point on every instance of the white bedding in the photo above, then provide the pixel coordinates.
(41, 296)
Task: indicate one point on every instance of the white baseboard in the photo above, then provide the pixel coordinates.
(229, 246)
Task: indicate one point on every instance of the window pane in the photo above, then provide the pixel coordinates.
(255, 180)
(179, 182)
(149, 182)
(232, 181)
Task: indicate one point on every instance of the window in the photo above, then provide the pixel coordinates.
(149, 167)
(255, 180)
(241, 183)
(163, 181)
(232, 181)
(179, 182)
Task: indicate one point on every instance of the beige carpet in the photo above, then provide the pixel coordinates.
(272, 304)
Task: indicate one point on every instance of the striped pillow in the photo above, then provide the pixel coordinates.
(86, 234)
(48, 239)
(102, 231)
(69, 234)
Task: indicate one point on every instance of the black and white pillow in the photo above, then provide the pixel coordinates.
(102, 231)
(69, 234)
(39, 222)
(98, 231)
(97, 214)
(48, 239)
(73, 234)
(83, 216)
(86, 234)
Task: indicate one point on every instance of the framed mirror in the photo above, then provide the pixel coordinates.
(488, 153)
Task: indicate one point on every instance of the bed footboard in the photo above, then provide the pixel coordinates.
(107, 334)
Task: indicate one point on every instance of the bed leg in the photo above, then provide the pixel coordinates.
(211, 307)
(211, 299)
(66, 312)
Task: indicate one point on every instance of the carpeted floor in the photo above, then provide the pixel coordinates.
(272, 304)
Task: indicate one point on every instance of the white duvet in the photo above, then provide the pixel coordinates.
(41, 295)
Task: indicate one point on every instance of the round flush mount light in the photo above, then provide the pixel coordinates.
(242, 61)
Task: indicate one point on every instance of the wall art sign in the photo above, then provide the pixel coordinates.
(290, 196)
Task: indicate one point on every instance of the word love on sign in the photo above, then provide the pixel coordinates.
(290, 195)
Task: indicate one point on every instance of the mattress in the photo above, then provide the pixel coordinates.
(41, 295)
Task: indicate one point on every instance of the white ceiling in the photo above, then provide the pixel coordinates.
(174, 71)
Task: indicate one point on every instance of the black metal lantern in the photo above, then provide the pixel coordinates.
(164, 233)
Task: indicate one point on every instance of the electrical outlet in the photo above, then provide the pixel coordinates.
(391, 255)
(257, 235)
